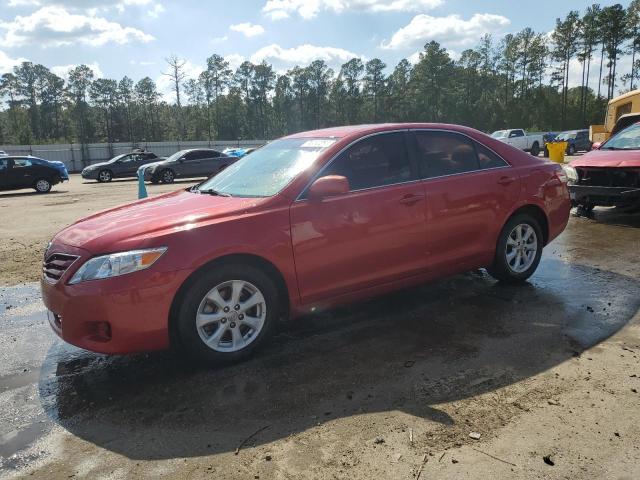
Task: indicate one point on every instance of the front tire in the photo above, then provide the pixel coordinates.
(518, 251)
(228, 313)
(42, 185)
(105, 176)
(167, 176)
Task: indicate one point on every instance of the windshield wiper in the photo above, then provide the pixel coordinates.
(211, 191)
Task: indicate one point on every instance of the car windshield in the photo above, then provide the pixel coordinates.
(500, 134)
(118, 157)
(268, 170)
(566, 136)
(627, 139)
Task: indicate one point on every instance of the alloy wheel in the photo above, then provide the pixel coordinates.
(231, 316)
(104, 176)
(522, 247)
(43, 185)
(167, 176)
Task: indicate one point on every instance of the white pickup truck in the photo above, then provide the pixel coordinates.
(520, 139)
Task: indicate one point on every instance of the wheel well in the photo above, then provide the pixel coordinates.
(244, 259)
(537, 213)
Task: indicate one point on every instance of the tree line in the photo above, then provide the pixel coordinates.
(519, 80)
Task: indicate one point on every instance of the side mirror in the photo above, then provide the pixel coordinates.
(596, 146)
(329, 186)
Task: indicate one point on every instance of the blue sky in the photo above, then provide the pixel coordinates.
(133, 37)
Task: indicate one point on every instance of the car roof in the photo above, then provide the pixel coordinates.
(362, 130)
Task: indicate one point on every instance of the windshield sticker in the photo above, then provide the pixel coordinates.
(318, 143)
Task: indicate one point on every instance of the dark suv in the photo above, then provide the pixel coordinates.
(30, 172)
(198, 162)
(577, 140)
(122, 166)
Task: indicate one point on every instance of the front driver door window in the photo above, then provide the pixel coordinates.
(371, 235)
(192, 164)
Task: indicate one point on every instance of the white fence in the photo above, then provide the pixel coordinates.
(76, 156)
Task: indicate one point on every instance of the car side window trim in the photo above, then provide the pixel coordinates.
(411, 153)
(302, 195)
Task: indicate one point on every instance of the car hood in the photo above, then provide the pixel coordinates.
(609, 158)
(136, 224)
(97, 165)
(152, 164)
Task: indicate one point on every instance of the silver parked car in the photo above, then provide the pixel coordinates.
(197, 162)
(121, 166)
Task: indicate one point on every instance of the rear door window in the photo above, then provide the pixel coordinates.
(440, 154)
(488, 159)
(22, 163)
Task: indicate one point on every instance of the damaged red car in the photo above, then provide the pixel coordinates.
(306, 222)
(608, 176)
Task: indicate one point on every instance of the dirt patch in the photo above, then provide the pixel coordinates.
(30, 220)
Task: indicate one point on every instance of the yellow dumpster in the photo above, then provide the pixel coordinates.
(556, 151)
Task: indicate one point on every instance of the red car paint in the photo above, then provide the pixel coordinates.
(388, 237)
(608, 159)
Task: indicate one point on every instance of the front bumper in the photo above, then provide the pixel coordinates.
(603, 196)
(150, 175)
(92, 175)
(126, 314)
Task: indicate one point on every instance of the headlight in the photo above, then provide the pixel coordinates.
(117, 264)
(572, 174)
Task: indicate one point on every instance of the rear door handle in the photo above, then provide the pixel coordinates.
(506, 180)
(411, 199)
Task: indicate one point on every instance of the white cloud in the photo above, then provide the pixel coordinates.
(247, 29)
(55, 26)
(279, 9)
(156, 10)
(63, 70)
(142, 63)
(234, 60)
(219, 40)
(84, 4)
(450, 30)
(7, 63)
(302, 54)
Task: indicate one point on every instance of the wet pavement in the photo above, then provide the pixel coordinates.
(451, 340)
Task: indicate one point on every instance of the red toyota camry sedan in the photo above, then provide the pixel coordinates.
(308, 221)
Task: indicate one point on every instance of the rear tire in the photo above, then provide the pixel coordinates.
(213, 325)
(42, 185)
(518, 250)
(535, 149)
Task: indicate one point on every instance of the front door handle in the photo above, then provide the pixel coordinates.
(411, 199)
(506, 180)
